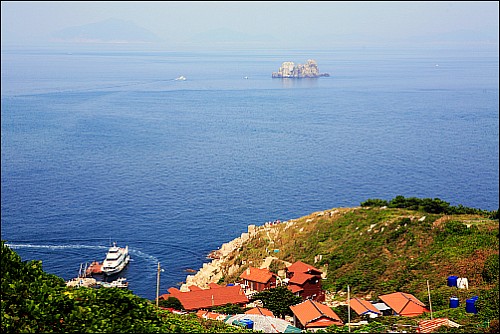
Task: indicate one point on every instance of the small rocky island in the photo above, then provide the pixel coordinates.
(309, 70)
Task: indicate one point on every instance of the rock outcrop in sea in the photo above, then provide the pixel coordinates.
(288, 69)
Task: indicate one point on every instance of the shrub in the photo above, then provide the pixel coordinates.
(491, 270)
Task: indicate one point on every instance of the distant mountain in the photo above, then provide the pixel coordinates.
(458, 37)
(224, 35)
(108, 31)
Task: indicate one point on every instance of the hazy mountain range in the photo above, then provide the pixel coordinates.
(116, 31)
(109, 31)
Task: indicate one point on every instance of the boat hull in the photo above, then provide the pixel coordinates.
(115, 270)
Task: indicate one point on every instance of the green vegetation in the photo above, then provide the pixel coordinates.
(398, 245)
(428, 205)
(278, 300)
(380, 247)
(171, 302)
(33, 301)
(229, 309)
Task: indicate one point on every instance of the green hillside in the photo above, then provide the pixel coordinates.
(378, 248)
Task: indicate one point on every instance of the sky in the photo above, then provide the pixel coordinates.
(284, 24)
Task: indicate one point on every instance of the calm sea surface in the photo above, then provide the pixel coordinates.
(107, 146)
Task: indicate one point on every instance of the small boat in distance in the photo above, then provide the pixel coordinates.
(116, 260)
(181, 78)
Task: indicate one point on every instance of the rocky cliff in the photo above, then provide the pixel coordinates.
(289, 70)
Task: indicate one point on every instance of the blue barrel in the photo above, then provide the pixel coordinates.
(470, 305)
(452, 280)
(454, 302)
(248, 322)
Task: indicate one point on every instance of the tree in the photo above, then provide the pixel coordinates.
(171, 302)
(229, 309)
(278, 300)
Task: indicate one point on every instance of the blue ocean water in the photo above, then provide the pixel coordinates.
(107, 146)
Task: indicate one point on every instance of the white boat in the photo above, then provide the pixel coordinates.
(118, 283)
(181, 78)
(116, 259)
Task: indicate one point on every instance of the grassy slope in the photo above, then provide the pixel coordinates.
(377, 251)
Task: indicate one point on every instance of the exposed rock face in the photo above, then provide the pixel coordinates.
(289, 70)
(212, 272)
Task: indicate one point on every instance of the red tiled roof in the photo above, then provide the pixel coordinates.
(257, 275)
(404, 304)
(300, 278)
(294, 288)
(173, 290)
(214, 286)
(193, 288)
(313, 314)
(430, 326)
(302, 267)
(209, 315)
(361, 306)
(260, 311)
(206, 298)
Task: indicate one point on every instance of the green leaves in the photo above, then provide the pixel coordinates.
(278, 300)
(33, 301)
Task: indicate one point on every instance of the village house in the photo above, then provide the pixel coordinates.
(261, 311)
(364, 307)
(404, 304)
(202, 299)
(312, 315)
(304, 280)
(256, 279)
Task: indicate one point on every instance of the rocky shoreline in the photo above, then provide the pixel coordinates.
(212, 272)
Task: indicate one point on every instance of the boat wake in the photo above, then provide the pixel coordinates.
(138, 253)
(148, 257)
(54, 247)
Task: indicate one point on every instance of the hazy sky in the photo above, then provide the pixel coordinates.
(176, 22)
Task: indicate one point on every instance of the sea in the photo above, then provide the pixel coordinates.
(103, 146)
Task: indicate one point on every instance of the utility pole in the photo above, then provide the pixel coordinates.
(429, 292)
(158, 284)
(349, 308)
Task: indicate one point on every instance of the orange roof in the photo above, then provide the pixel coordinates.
(209, 315)
(313, 314)
(260, 311)
(300, 278)
(206, 298)
(361, 306)
(302, 267)
(294, 288)
(257, 275)
(430, 326)
(404, 304)
(193, 288)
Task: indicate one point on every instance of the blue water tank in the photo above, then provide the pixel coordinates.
(230, 284)
(248, 322)
(454, 302)
(470, 305)
(452, 280)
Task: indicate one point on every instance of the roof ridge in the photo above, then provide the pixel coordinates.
(317, 308)
(356, 298)
(410, 299)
